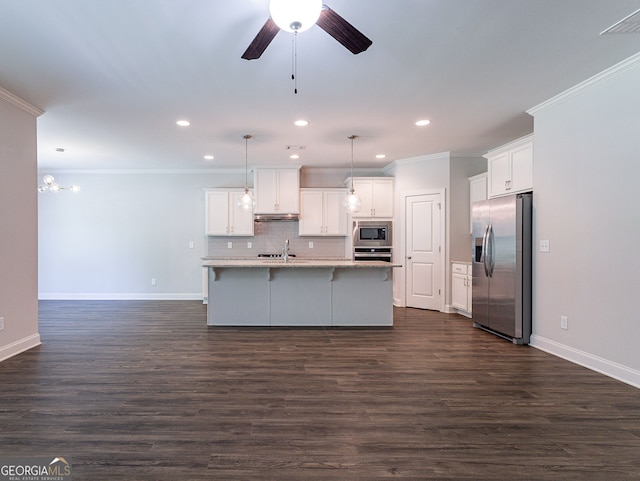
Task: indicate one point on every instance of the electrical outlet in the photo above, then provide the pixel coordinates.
(310, 245)
(229, 245)
(564, 322)
(1, 323)
(153, 281)
(191, 244)
(544, 246)
(249, 245)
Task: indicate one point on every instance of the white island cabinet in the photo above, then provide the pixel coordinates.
(301, 292)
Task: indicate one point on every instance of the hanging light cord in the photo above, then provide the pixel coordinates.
(246, 165)
(352, 138)
(294, 61)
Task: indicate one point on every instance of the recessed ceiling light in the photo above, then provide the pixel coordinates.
(301, 123)
(208, 157)
(294, 156)
(183, 123)
(422, 123)
(380, 156)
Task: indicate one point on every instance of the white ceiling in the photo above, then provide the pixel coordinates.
(114, 76)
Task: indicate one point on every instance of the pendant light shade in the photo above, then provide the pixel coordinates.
(352, 202)
(295, 15)
(246, 201)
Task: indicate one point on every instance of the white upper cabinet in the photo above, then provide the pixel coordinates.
(477, 191)
(322, 213)
(223, 217)
(277, 191)
(376, 195)
(511, 168)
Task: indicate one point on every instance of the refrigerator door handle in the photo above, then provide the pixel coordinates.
(490, 248)
(484, 251)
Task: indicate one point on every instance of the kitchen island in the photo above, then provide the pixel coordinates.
(299, 292)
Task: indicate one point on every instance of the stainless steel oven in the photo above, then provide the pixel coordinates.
(372, 254)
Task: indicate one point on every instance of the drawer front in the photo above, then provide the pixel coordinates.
(460, 268)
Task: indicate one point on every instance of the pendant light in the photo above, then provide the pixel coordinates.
(352, 202)
(246, 202)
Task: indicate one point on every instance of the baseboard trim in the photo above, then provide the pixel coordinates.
(603, 366)
(119, 296)
(19, 346)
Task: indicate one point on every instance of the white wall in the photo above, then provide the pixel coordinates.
(586, 178)
(123, 229)
(18, 223)
(432, 173)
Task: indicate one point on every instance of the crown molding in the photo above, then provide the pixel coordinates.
(18, 102)
(603, 76)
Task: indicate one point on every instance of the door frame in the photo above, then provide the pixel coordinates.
(401, 245)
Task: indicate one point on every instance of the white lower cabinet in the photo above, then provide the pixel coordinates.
(223, 217)
(321, 212)
(461, 290)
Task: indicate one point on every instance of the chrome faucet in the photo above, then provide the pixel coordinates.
(285, 251)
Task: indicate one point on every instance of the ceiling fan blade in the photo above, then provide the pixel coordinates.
(342, 31)
(262, 40)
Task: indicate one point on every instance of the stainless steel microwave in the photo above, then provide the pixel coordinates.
(372, 233)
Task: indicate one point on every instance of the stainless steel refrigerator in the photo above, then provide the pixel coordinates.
(502, 251)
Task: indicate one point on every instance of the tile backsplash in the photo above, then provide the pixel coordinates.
(269, 238)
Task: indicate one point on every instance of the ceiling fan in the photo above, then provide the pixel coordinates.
(282, 17)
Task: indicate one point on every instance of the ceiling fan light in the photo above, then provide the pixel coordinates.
(295, 15)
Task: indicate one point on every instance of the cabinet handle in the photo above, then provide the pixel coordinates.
(409, 257)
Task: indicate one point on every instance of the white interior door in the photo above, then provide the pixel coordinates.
(423, 251)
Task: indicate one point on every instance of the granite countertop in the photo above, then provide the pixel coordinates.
(291, 263)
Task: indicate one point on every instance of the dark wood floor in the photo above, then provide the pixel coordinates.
(141, 390)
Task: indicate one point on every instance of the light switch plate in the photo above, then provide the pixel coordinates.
(545, 246)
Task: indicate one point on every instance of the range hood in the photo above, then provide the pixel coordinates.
(274, 217)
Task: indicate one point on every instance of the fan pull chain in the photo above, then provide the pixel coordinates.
(294, 61)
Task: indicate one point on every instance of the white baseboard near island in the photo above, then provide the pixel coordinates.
(300, 293)
(119, 296)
